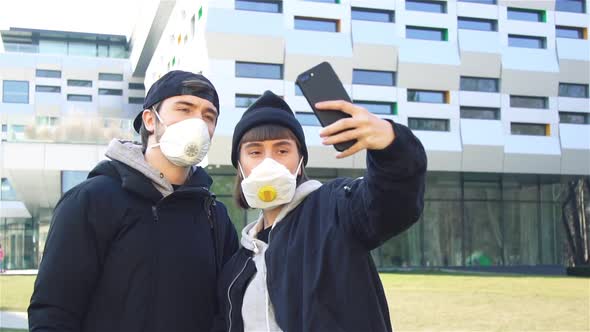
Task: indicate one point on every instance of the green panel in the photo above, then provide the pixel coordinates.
(200, 12)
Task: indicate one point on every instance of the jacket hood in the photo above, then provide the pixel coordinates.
(129, 165)
(251, 230)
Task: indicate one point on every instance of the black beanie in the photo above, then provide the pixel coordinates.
(268, 109)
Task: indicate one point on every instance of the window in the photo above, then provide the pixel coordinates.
(413, 32)
(481, 113)
(85, 98)
(49, 121)
(569, 32)
(80, 83)
(48, 88)
(373, 77)
(316, 24)
(530, 15)
(110, 92)
(136, 86)
(48, 73)
(70, 179)
(307, 119)
(572, 6)
(53, 46)
(531, 129)
(378, 107)
(526, 41)
(426, 6)
(369, 14)
(485, 2)
(110, 77)
(573, 90)
(7, 193)
(15, 92)
(259, 70)
(470, 23)
(259, 6)
(528, 102)
(243, 100)
(574, 118)
(136, 100)
(425, 96)
(428, 124)
(82, 48)
(479, 84)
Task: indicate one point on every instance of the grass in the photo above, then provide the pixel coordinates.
(15, 292)
(487, 303)
(443, 302)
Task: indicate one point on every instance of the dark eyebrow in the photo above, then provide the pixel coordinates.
(252, 144)
(283, 143)
(189, 104)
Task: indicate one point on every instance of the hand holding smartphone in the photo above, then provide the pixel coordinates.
(321, 83)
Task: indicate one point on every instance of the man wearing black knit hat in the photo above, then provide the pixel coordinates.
(305, 264)
(139, 245)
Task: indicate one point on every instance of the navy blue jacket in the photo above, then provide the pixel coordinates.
(320, 274)
(119, 257)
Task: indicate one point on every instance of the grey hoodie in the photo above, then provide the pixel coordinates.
(257, 311)
(131, 154)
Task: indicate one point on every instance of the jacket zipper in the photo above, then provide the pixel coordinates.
(229, 290)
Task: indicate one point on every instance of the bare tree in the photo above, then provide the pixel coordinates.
(575, 217)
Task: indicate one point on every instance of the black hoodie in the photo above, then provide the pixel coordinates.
(121, 257)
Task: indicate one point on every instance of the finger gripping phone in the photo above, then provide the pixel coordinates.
(321, 83)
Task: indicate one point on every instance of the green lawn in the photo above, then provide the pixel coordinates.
(15, 292)
(442, 302)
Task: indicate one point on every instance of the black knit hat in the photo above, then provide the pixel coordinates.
(170, 85)
(268, 109)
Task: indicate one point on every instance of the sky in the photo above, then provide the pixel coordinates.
(95, 16)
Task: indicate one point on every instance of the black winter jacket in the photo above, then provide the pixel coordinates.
(320, 274)
(119, 257)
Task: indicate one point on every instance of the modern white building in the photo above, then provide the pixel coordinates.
(497, 91)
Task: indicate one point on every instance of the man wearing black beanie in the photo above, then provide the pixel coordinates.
(305, 264)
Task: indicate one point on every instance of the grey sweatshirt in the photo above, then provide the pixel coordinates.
(130, 154)
(257, 311)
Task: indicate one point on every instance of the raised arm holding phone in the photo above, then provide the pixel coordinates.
(305, 264)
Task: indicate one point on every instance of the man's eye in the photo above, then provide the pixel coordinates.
(185, 110)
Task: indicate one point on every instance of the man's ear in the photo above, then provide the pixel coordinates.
(149, 120)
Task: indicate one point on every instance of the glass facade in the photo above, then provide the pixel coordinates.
(469, 219)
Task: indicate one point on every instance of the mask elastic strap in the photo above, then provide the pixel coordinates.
(162, 122)
(298, 167)
(241, 170)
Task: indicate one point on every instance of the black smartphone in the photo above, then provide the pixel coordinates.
(321, 83)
